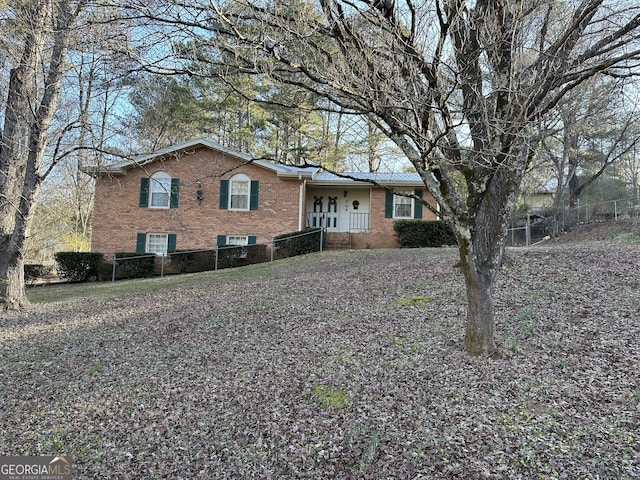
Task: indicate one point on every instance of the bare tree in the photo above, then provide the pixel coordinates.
(32, 95)
(38, 131)
(594, 129)
(457, 85)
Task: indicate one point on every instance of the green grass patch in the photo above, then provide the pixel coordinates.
(102, 291)
(414, 301)
(327, 396)
(95, 368)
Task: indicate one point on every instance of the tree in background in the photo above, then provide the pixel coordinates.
(457, 85)
(81, 134)
(594, 128)
(628, 169)
(166, 111)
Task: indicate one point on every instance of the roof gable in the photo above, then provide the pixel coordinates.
(145, 159)
(314, 175)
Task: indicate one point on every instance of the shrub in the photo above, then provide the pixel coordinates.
(33, 271)
(423, 233)
(237, 256)
(78, 266)
(105, 271)
(192, 261)
(256, 254)
(297, 243)
(134, 265)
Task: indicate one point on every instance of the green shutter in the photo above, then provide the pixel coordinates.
(251, 240)
(388, 204)
(144, 192)
(224, 194)
(417, 205)
(175, 189)
(171, 242)
(222, 240)
(141, 242)
(253, 197)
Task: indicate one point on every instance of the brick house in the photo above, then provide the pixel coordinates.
(198, 194)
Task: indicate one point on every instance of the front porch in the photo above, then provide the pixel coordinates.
(349, 222)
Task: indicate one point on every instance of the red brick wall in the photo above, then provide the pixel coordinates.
(118, 218)
(381, 234)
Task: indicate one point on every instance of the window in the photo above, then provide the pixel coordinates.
(237, 240)
(399, 206)
(158, 243)
(239, 193)
(159, 191)
(402, 206)
(239, 188)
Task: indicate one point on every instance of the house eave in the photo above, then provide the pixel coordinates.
(121, 168)
(385, 180)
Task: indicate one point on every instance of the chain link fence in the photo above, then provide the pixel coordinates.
(224, 256)
(533, 227)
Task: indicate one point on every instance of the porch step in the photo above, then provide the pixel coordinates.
(337, 241)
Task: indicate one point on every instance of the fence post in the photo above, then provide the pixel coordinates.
(321, 235)
(273, 247)
(527, 232)
(615, 210)
(215, 268)
(162, 265)
(513, 233)
(113, 270)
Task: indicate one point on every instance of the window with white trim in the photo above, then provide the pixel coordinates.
(402, 206)
(241, 240)
(239, 191)
(160, 190)
(157, 243)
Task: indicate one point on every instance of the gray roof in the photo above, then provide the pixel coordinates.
(314, 175)
(140, 160)
(322, 177)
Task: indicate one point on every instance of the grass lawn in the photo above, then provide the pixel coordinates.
(343, 365)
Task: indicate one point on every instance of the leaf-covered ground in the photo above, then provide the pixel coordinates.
(341, 365)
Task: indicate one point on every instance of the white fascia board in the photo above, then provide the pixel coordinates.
(121, 168)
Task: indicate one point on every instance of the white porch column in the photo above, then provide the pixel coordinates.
(300, 201)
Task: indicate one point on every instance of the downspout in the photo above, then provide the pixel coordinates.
(300, 201)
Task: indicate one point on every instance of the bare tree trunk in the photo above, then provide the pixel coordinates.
(24, 139)
(481, 246)
(12, 288)
(479, 280)
(12, 244)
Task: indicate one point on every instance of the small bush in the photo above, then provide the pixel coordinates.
(423, 233)
(33, 271)
(134, 265)
(105, 271)
(237, 256)
(192, 261)
(78, 266)
(256, 254)
(295, 243)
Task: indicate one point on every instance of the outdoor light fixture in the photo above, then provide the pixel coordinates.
(199, 192)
